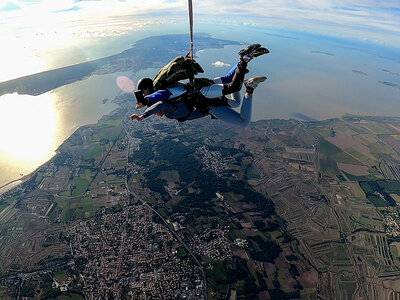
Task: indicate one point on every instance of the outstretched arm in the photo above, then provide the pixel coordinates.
(158, 107)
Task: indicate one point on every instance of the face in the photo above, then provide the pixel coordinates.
(160, 113)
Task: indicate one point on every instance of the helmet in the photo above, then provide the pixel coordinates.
(145, 84)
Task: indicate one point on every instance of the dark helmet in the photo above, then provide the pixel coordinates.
(145, 84)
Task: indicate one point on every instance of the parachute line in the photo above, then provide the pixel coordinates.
(190, 5)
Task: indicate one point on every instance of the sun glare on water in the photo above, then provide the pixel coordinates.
(27, 128)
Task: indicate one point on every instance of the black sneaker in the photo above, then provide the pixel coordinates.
(253, 50)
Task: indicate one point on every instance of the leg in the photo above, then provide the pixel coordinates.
(234, 79)
(216, 91)
(237, 79)
(229, 115)
(234, 99)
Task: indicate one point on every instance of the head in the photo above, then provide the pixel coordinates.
(144, 88)
(145, 85)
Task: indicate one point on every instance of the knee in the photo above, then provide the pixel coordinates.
(230, 88)
(233, 103)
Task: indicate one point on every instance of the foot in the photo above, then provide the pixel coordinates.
(253, 50)
(253, 82)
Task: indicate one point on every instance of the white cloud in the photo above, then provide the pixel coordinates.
(357, 19)
(220, 64)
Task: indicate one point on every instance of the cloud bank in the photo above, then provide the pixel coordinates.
(377, 21)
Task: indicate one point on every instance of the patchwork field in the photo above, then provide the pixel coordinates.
(355, 170)
(351, 145)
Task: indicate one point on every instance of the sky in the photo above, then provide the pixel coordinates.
(377, 21)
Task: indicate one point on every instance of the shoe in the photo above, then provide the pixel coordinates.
(253, 50)
(253, 82)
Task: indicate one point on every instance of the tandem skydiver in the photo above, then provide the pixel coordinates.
(163, 102)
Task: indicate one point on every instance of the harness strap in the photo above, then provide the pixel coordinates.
(196, 101)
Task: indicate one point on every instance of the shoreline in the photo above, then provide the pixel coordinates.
(27, 176)
(12, 181)
(30, 174)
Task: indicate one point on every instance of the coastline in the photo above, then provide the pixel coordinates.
(4, 186)
(29, 175)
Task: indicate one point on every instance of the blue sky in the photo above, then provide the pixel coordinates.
(372, 20)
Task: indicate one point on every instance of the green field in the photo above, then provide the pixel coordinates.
(181, 251)
(389, 186)
(60, 275)
(395, 255)
(79, 185)
(320, 132)
(93, 153)
(170, 175)
(330, 155)
(327, 163)
(252, 172)
(110, 133)
(114, 179)
(377, 149)
(113, 122)
(359, 178)
(73, 208)
(218, 273)
(360, 157)
(379, 129)
(376, 190)
(86, 205)
(72, 297)
(39, 177)
(2, 206)
(378, 202)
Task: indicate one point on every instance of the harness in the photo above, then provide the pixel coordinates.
(194, 100)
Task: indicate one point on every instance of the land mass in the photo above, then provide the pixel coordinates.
(163, 49)
(283, 209)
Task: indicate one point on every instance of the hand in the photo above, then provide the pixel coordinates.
(136, 117)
